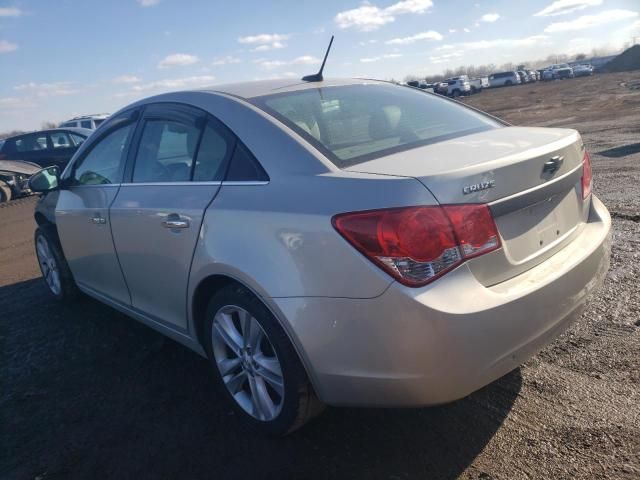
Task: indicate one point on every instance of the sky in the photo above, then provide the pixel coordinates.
(71, 57)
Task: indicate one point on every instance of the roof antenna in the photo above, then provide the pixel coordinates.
(317, 77)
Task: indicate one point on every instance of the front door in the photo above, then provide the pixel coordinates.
(82, 213)
(156, 216)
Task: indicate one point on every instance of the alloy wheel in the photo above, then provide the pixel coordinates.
(48, 265)
(247, 362)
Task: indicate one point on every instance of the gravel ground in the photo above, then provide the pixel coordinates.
(87, 393)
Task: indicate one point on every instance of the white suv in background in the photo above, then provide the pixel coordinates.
(86, 121)
(458, 86)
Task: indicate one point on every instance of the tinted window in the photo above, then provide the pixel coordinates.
(166, 152)
(30, 143)
(244, 167)
(215, 148)
(68, 124)
(105, 161)
(98, 121)
(60, 140)
(77, 139)
(369, 121)
(85, 123)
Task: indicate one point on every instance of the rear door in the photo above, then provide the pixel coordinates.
(172, 176)
(82, 211)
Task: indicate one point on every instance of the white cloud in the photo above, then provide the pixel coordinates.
(563, 7)
(445, 57)
(265, 41)
(466, 30)
(148, 3)
(452, 30)
(227, 60)
(369, 17)
(489, 17)
(55, 89)
(381, 57)
(269, 46)
(368, 42)
(6, 47)
(410, 6)
(126, 79)
(10, 12)
(263, 38)
(429, 35)
(175, 83)
(271, 64)
(178, 60)
(590, 21)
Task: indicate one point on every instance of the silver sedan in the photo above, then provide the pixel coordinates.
(342, 242)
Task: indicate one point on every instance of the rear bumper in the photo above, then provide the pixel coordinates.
(412, 347)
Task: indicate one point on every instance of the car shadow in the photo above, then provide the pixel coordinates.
(622, 151)
(93, 394)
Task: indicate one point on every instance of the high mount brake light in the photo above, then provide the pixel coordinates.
(587, 176)
(416, 245)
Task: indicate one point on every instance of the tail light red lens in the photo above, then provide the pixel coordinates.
(587, 176)
(416, 245)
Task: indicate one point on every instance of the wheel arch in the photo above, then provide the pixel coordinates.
(213, 283)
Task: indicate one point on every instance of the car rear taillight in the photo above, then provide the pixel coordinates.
(587, 176)
(416, 245)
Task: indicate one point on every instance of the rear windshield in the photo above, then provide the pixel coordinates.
(355, 123)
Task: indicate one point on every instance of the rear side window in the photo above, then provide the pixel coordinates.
(77, 139)
(244, 167)
(165, 152)
(356, 123)
(85, 123)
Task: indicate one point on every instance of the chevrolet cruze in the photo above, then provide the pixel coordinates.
(338, 242)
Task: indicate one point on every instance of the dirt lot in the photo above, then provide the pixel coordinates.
(87, 393)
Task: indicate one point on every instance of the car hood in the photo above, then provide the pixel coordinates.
(18, 166)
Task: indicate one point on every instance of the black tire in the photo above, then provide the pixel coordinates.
(508, 83)
(455, 93)
(5, 192)
(68, 289)
(300, 403)
(474, 90)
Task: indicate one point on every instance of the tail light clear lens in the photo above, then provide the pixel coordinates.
(416, 245)
(587, 176)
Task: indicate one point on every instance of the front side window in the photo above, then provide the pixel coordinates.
(29, 143)
(355, 123)
(165, 152)
(60, 140)
(105, 161)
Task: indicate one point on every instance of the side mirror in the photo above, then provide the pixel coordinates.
(45, 180)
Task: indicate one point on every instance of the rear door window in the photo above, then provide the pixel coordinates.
(166, 152)
(86, 124)
(60, 140)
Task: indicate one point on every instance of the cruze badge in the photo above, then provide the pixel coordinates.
(477, 187)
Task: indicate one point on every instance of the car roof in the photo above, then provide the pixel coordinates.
(83, 131)
(259, 88)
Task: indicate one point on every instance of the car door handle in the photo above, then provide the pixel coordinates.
(98, 220)
(175, 221)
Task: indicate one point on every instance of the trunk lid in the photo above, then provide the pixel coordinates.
(537, 209)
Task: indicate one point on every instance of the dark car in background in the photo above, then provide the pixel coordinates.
(45, 148)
